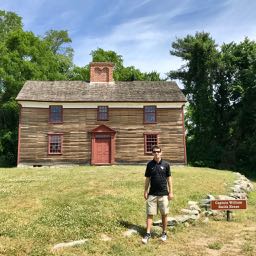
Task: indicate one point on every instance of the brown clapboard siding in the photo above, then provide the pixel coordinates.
(76, 127)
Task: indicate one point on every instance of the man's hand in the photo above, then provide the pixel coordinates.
(170, 196)
(147, 181)
(146, 195)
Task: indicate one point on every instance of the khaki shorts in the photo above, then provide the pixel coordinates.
(157, 202)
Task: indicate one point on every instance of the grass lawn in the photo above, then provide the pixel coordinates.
(41, 207)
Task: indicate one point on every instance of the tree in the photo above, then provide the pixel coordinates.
(152, 76)
(220, 85)
(122, 73)
(23, 56)
(198, 76)
(79, 73)
(9, 21)
(240, 62)
(58, 42)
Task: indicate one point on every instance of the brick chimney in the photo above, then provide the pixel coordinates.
(101, 72)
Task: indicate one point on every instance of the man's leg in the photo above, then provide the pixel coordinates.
(164, 209)
(149, 225)
(164, 222)
(149, 222)
(151, 211)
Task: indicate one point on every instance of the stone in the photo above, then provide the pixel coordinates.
(157, 223)
(130, 232)
(205, 203)
(186, 224)
(192, 203)
(194, 217)
(211, 197)
(212, 213)
(224, 197)
(190, 212)
(171, 221)
(238, 195)
(105, 238)
(182, 218)
(194, 207)
(68, 244)
(205, 220)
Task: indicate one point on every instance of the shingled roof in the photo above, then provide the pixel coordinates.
(79, 91)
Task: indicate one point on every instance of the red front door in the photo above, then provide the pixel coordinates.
(102, 150)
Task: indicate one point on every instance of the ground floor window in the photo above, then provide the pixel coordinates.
(55, 142)
(150, 140)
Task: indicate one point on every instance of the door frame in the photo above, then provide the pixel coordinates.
(103, 130)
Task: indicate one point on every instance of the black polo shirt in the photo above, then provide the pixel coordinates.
(158, 173)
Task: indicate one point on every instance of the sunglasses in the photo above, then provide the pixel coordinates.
(156, 152)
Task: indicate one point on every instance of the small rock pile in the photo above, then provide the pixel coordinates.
(195, 211)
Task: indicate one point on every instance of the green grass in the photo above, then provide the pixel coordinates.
(40, 207)
(217, 245)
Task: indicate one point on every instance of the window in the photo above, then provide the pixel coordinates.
(102, 113)
(55, 114)
(150, 141)
(149, 114)
(55, 144)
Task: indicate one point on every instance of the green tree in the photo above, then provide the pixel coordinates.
(240, 63)
(152, 76)
(9, 21)
(59, 43)
(198, 76)
(23, 56)
(220, 85)
(79, 73)
(101, 55)
(122, 73)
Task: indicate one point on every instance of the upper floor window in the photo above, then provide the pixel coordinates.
(56, 114)
(55, 144)
(149, 114)
(102, 114)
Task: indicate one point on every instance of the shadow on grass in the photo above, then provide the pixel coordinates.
(140, 229)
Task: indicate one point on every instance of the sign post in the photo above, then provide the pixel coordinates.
(229, 206)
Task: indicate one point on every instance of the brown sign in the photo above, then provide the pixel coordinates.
(227, 205)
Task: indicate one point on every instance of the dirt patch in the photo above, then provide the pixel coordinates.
(239, 242)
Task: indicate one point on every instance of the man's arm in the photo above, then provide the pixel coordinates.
(147, 181)
(170, 187)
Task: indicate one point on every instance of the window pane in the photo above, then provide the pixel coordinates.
(150, 114)
(55, 114)
(150, 118)
(102, 113)
(55, 144)
(150, 109)
(151, 140)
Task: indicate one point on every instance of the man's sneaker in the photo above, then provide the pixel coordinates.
(164, 237)
(146, 238)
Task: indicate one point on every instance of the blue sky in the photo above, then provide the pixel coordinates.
(140, 30)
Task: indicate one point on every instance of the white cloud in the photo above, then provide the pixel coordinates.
(140, 30)
(140, 41)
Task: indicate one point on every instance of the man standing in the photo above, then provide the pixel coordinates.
(158, 191)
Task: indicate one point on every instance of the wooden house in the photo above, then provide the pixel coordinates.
(99, 122)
